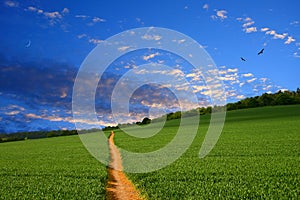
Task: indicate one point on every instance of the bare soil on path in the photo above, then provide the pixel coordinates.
(118, 186)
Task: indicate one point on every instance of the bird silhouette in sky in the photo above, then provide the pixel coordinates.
(243, 59)
(261, 51)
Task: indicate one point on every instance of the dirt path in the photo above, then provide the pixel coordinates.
(118, 186)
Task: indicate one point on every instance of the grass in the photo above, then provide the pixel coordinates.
(54, 168)
(256, 157)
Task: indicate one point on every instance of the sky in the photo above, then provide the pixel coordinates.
(44, 43)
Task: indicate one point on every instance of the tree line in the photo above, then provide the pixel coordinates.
(266, 99)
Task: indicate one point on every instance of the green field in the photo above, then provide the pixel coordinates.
(54, 168)
(256, 157)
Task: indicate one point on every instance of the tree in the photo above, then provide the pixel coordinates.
(266, 100)
(146, 120)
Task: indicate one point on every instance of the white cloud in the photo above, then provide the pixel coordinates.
(248, 24)
(264, 29)
(151, 37)
(289, 40)
(296, 55)
(271, 32)
(179, 41)
(63, 94)
(232, 70)
(150, 56)
(222, 14)
(81, 35)
(53, 15)
(198, 88)
(276, 35)
(263, 79)
(247, 19)
(65, 11)
(251, 80)
(97, 19)
(94, 41)
(267, 87)
(240, 97)
(13, 106)
(82, 16)
(280, 36)
(294, 22)
(247, 75)
(34, 9)
(15, 112)
(205, 6)
(123, 48)
(11, 3)
(250, 29)
(227, 78)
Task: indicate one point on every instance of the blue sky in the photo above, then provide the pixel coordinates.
(43, 44)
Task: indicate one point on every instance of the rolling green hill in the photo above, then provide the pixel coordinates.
(257, 156)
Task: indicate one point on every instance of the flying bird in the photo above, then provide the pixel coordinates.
(261, 51)
(243, 59)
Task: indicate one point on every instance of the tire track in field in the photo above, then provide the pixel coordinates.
(118, 185)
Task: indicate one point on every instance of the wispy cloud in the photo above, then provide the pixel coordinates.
(81, 36)
(123, 48)
(250, 29)
(247, 75)
(241, 85)
(251, 80)
(150, 56)
(232, 70)
(276, 35)
(289, 40)
(82, 16)
(34, 9)
(15, 112)
(296, 55)
(151, 37)
(90, 20)
(248, 25)
(53, 17)
(205, 6)
(97, 19)
(95, 41)
(264, 29)
(294, 23)
(240, 96)
(220, 14)
(65, 11)
(11, 4)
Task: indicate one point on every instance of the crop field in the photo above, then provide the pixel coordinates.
(256, 157)
(54, 168)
